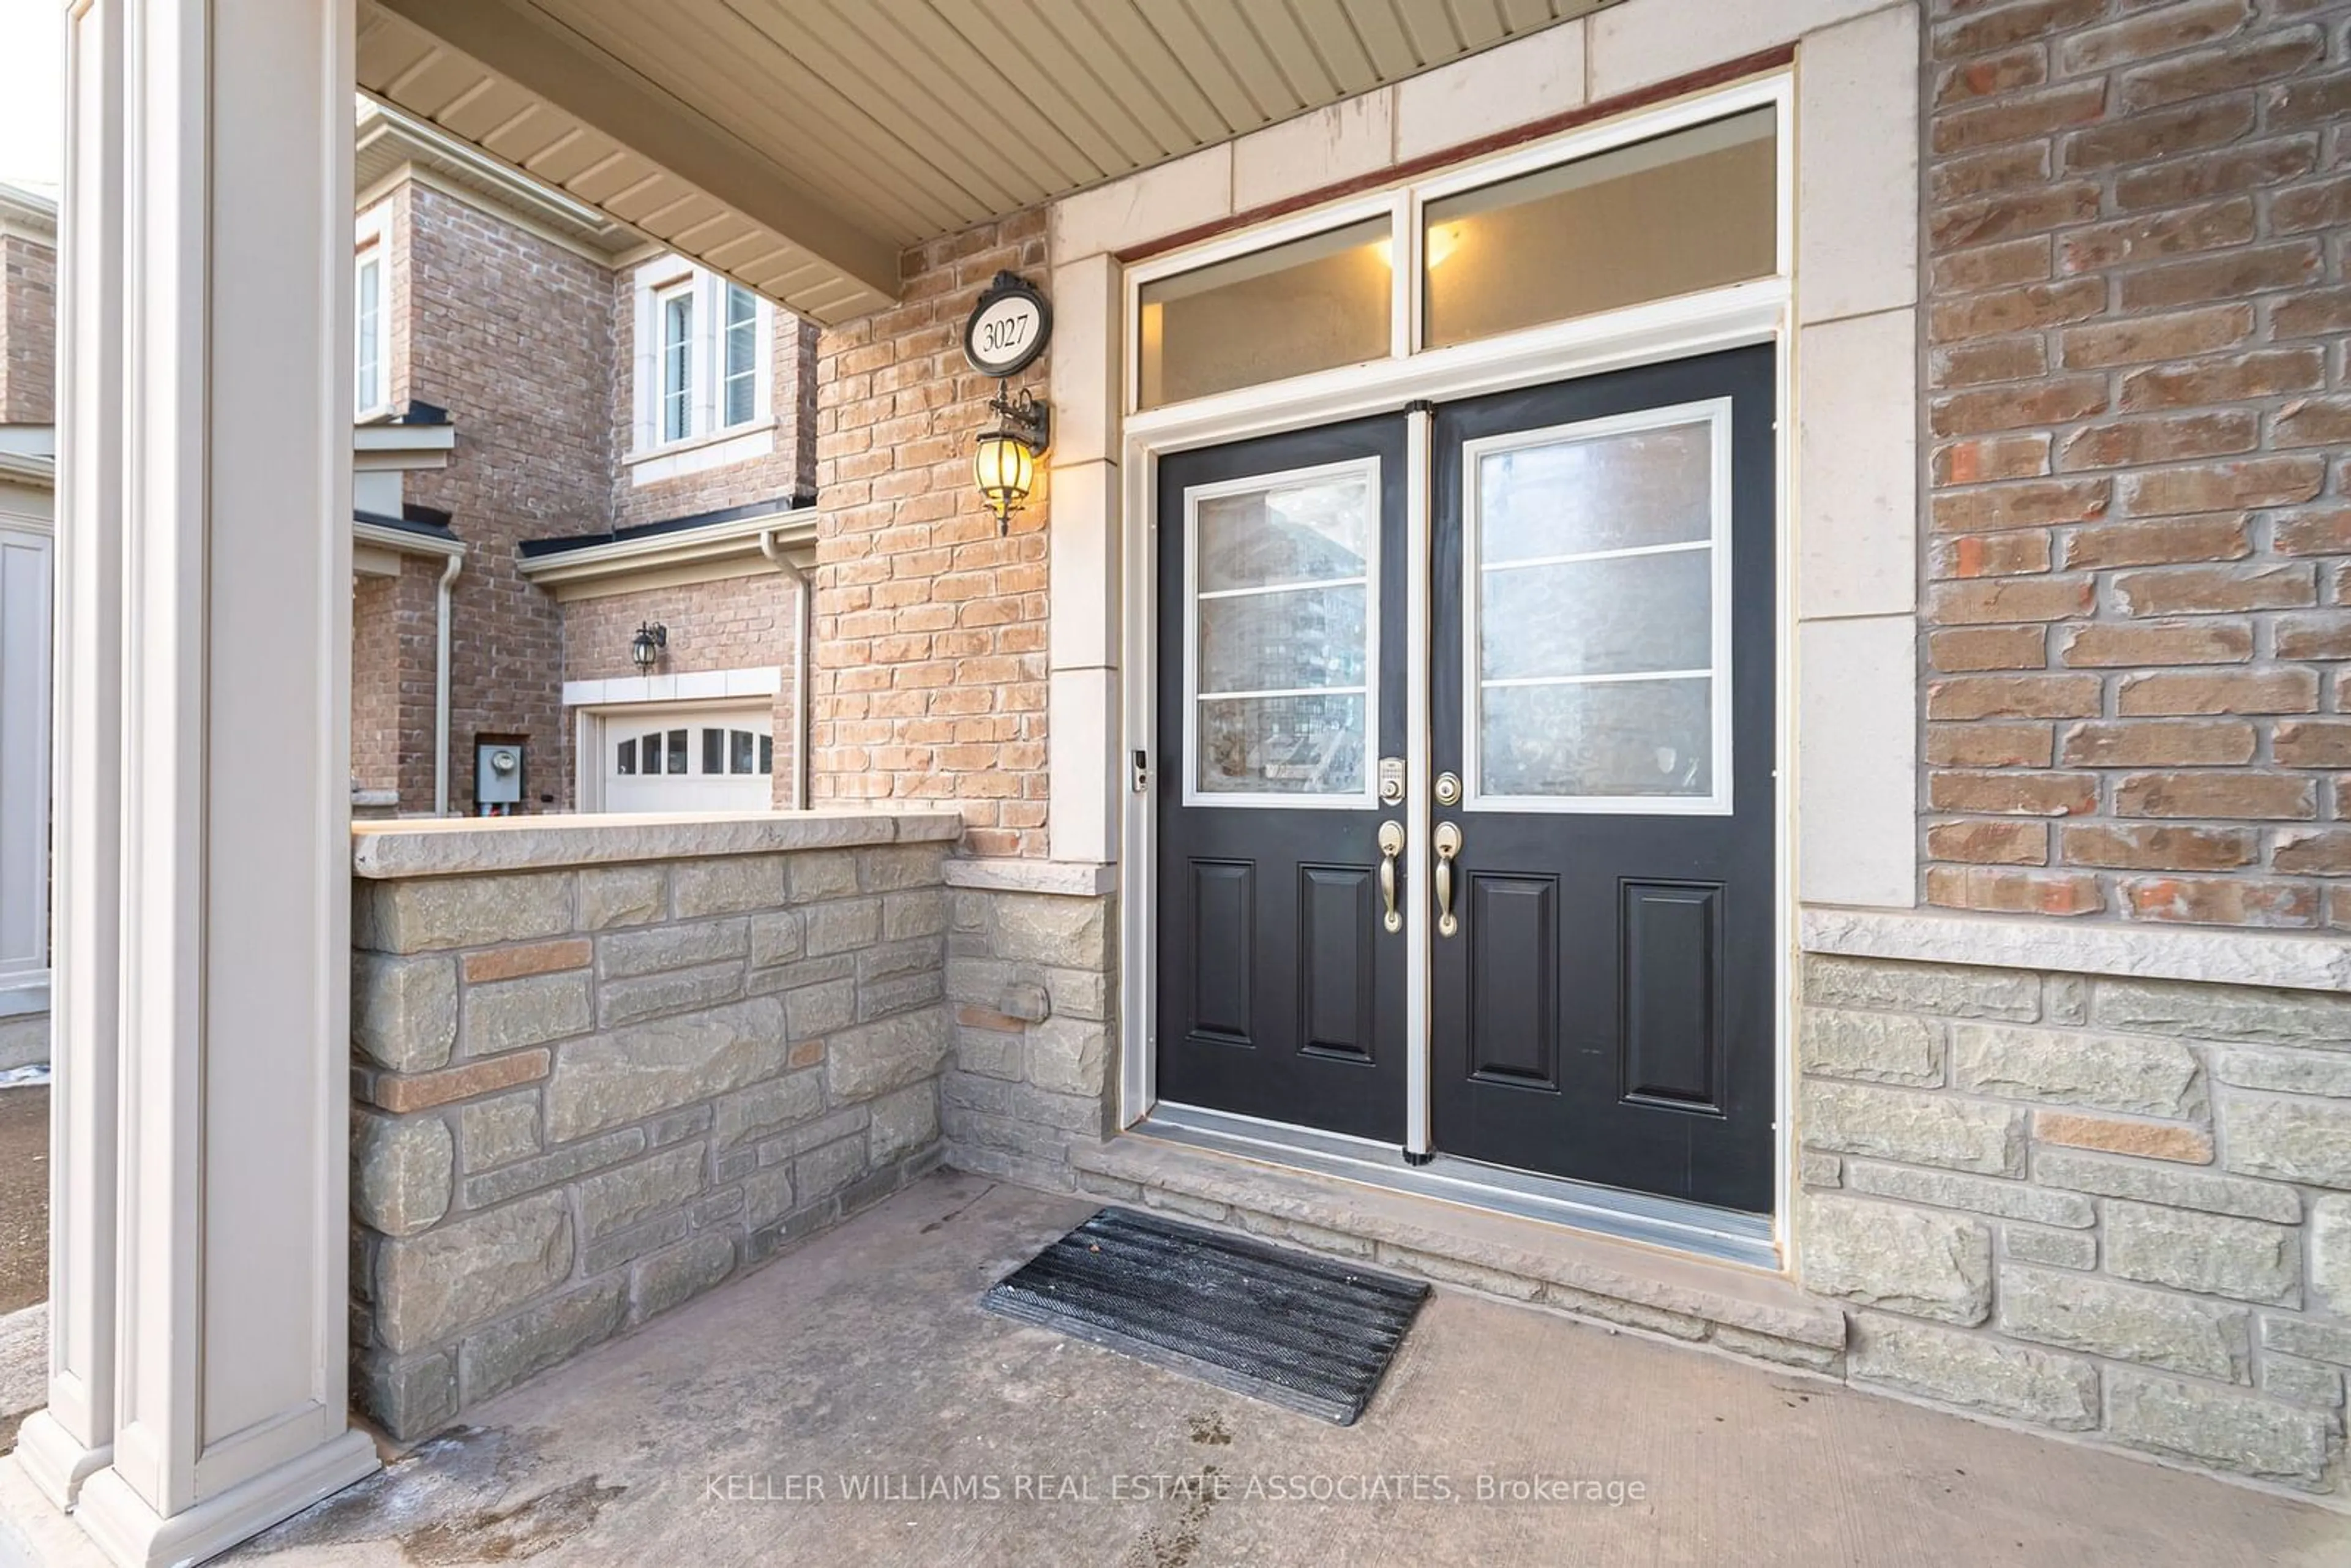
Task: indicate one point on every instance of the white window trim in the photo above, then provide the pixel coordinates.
(372, 243)
(655, 283)
(1365, 799)
(1715, 413)
(690, 416)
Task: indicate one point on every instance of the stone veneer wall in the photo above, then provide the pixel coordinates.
(1033, 979)
(2115, 1207)
(644, 1059)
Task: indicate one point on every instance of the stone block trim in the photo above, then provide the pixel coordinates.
(589, 1093)
(2114, 1207)
(2136, 591)
(1032, 987)
(1596, 1279)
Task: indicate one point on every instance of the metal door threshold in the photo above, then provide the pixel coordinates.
(1722, 1234)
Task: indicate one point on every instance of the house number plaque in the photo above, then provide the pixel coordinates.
(1008, 328)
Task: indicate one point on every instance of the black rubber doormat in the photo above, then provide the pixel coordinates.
(1301, 1331)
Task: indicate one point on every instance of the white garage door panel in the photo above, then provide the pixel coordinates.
(689, 760)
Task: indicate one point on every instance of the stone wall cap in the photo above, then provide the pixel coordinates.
(460, 846)
(2283, 960)
(1076, 879)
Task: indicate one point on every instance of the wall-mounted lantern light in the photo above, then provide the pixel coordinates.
(1004, 464)
(647, 644)
(1008, 328)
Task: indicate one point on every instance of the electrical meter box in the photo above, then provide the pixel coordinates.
(497, 776)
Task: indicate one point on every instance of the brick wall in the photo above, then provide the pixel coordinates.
(514, 336)
(28, 331)
(376, 683)
(733, 623)
(2139, 599)
(930, 677)
(395, 631)
(790, 468)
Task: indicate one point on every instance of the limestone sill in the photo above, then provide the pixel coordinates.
(459, 846)
(2285, 960)
(1445, 1241)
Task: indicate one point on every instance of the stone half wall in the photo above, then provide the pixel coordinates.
(602, 1065)
(1032, 977)
(2114, 1207)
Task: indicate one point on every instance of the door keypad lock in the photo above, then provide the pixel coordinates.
(1391, 780)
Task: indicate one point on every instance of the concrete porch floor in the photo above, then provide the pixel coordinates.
(865, 1354)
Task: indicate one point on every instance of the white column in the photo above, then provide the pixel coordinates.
(61, 1445)
(233, 413)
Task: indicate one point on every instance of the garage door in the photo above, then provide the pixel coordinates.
(689, 760)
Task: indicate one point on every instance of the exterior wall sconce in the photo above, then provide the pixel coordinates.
(1004, 464)
(647, 646)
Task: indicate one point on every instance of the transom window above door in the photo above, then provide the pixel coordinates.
(1661, 205)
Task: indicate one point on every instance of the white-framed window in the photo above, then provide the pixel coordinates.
(702, 358)
(738, 384)
(677, 317)
(371, 313)
(1682, 200)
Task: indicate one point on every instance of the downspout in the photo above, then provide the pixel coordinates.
(441, 687)
(774, 552)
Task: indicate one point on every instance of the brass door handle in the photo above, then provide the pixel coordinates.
(1391, 846)
(1448, 844)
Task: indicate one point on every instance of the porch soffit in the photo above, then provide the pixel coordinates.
(797, 146)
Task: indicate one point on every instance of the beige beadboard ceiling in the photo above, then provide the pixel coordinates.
(798, 145)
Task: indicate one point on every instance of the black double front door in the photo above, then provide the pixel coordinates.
(1590, 881)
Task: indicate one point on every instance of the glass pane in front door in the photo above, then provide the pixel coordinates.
(1284, 573)
(1596, 557)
